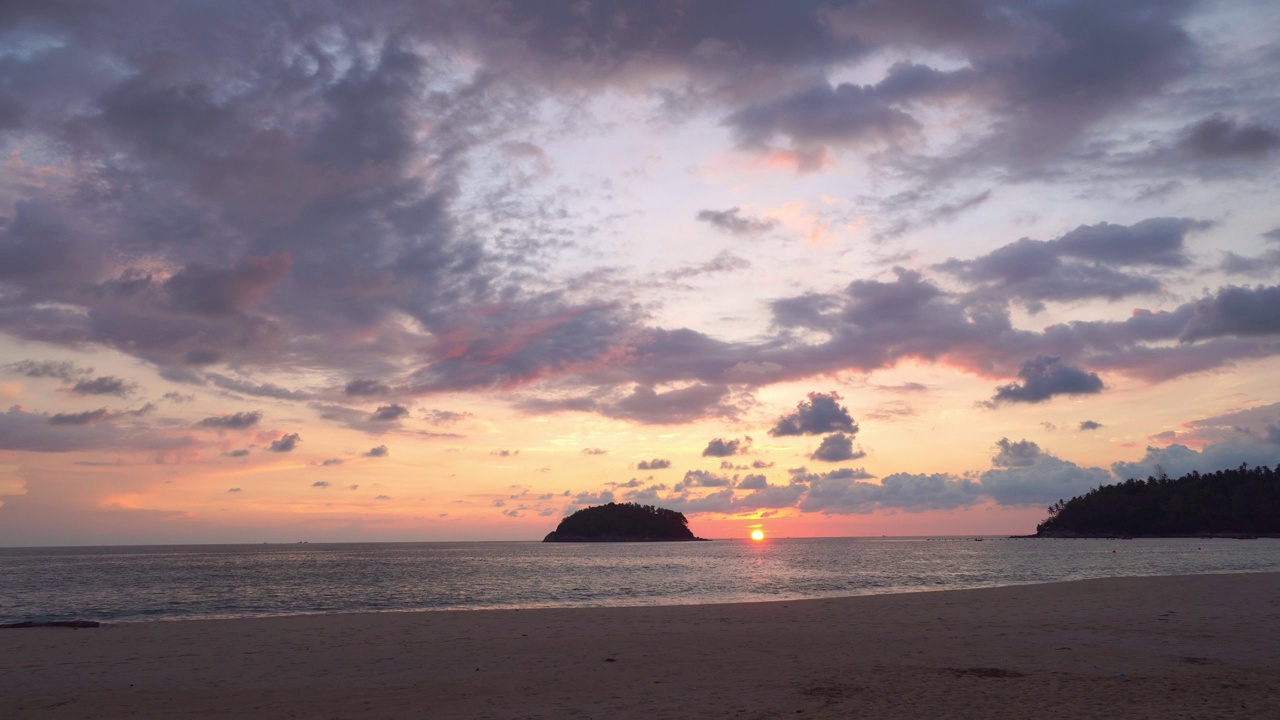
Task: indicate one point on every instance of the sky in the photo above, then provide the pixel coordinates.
(374, 271)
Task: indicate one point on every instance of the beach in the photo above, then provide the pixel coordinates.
(1205, 646)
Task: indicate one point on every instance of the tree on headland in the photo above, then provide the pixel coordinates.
(1242, 501)
(623, 521)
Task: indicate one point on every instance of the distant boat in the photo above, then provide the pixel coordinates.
(978, 539)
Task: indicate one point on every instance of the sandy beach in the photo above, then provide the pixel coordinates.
(1166, 647)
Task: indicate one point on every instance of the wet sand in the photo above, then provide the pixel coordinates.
(1169, 647)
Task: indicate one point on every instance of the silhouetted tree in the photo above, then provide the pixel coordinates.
(1244, 500)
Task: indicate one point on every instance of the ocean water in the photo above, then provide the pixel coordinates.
(123, 584)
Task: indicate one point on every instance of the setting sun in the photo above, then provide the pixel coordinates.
(757, 534)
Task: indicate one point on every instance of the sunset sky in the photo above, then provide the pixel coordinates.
(361, 271)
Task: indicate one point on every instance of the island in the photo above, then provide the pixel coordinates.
(1240, 503)
(622, 522)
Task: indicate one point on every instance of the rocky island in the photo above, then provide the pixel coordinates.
(1241, 503)
(622, 522)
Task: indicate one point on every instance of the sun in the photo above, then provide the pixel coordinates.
(757, 534)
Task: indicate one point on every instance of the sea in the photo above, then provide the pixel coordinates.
(167, 583)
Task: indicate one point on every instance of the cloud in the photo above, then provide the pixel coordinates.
(62, 370)
(389, 413)
(654, 464)
(87, 417)
(286, 443)
(821, 413)
(446, 417)
(1234, 311)
(843, 492)
(379, 451)
(836, 448)
(236, 421)
(594, 451)
(1024, 475)
(734, 222)
(320, 484)
(504, 453)
(270, 390)
(382, 497)
(1022, 453)
(1086, 425)
(1176, 460)
(720, 447)
(233, 490)
(702, 478)
(242, 452)
(1220, 137)
(331, 462)
(1078, 264)
(105, 385)
(1044, 377)
(215, 291)
(363, 387)
(844, 114)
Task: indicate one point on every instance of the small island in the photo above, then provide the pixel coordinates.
(1239, 503)
(622, 522)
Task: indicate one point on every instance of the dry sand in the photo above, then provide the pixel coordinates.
(1167, 647)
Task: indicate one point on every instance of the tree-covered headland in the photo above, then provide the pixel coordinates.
(622, 522)
(1240, 502)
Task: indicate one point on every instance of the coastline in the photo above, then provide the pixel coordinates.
(1161, 646)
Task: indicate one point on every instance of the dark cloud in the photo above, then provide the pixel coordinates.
(361, 387)
(24, 431)
(233, 490)
(1263, 265)
(821, 413)
(845, 114)
(379, 451)
(1176, 460)
(654, 464)
(1086, 425)
(87, 417)
(330, 462)
(389, 413)
(267, 389)
(66, 371)
(209, 291)
(1041, 481)
(594, 451)
(762, 464)
(836, 448)
(105, 385)
(752, 482)
(236, 421)
(238, 453)
(647, 405)
(1075, 265)
(382, 497)
(446, 417)
(843, 492)
(320, 484)
(721, 263)
(1022, 453)
(1219, 137)
(286, 443)
(504, 453)
(1234, 311)
(701, 478)
(1044, 377)
(734, 222)
(720, 447)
